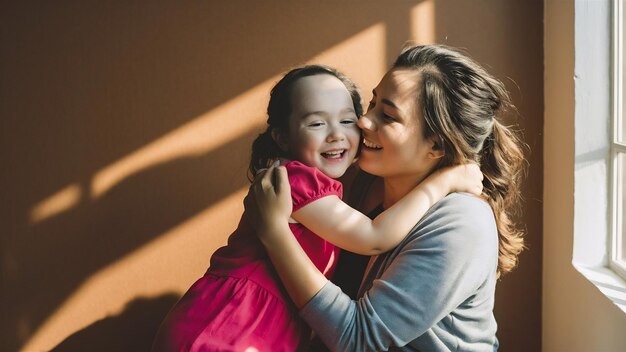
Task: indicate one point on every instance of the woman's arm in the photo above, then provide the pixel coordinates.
(441, 265)
(335, 221)
(446, 264)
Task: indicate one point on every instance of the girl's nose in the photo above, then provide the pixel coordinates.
(365, 122)
(335, 134)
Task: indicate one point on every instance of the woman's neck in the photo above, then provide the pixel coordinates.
(397, 187)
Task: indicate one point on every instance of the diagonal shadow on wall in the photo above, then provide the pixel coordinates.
(131, 330)
(85, 85)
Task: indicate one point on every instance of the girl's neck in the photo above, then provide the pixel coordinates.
(397, 187)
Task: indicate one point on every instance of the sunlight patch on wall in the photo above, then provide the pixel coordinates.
(57, 203)
(149, 271)
(203, 134)
(172, 261)
(423, 22)
(361, 57)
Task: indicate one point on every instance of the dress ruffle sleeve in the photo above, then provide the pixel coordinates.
(309, 184)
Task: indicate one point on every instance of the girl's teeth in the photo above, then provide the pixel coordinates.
(333, 154)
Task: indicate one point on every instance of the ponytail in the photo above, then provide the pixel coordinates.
(264, 152)
(503, 164)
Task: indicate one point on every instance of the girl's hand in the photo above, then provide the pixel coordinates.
(464, 178)
(268, 203)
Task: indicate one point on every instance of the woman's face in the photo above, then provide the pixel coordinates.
(394, 143)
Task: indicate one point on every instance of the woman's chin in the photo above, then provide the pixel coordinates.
(368, 166)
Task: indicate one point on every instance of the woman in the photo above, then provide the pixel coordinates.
(434, 291)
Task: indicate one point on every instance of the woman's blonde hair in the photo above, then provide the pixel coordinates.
(462, 105)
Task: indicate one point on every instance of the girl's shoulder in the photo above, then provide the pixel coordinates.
(297, 170)
(308, 183)
(296, 165)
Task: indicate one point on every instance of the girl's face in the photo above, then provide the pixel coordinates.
(322, 126)
(394, 143)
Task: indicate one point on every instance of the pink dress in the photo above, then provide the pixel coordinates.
(240, 303)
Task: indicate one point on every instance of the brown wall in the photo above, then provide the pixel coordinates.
(125, 136)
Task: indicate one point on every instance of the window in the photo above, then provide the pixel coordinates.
(617, 248)
(600, 147)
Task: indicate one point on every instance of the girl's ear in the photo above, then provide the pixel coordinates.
(280, 138)
(436, 147)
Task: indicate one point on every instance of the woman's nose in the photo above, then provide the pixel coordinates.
(365, 122)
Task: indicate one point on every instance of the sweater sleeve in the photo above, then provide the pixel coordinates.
(438, 266)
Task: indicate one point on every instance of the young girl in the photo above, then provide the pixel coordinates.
(239, 304)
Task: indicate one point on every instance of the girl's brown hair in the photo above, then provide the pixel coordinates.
(264, 148)
(462, 105)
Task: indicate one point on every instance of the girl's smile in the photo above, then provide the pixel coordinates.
(322, 125)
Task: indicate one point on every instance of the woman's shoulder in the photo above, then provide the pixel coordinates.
(462, 204)
(458, 212)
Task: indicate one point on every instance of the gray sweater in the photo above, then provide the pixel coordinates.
(433, 292)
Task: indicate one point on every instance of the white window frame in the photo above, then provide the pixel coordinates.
(617, 147)
(595, 178)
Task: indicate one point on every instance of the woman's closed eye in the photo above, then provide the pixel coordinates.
(386, 117)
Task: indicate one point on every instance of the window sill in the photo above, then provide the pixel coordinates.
(607, 281)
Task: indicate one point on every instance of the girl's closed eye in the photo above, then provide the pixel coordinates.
(350, 121)
(316, 124)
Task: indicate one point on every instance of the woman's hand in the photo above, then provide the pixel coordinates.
(268, 203)
(464, 178)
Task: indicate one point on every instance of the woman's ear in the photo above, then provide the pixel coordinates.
(280, 138)
(436, 147)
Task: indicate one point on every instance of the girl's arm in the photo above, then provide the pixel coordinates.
(335, 221)
(268, 206)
